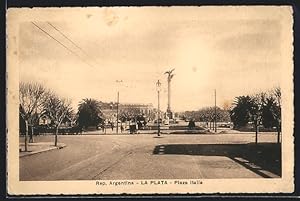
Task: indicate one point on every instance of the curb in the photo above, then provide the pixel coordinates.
(62, 145)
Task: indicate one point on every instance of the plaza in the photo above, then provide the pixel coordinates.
(147, 156)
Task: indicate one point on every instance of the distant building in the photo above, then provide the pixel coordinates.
(144, 109)
(109, 110)
(44, 120)
(67, 122)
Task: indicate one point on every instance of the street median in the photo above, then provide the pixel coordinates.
(38, 147)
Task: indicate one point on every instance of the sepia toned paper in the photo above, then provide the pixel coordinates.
(235, 50)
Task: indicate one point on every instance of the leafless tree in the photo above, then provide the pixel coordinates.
(277, 113)
(207, 115)
(57, 109)
(31, 97)
(271, 101)
(277, 93)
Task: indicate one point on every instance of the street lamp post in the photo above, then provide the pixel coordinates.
(118, 81)
(278, 130)
(215, 111)
(111, 118)
(118, 113)
(158, 84)
(256, 127)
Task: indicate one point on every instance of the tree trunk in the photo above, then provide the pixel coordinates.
(278, 133)
(56, 133)
(256, 133)
(31, 135)
(26, 135)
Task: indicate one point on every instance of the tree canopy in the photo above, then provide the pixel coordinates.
(57, 109)
(264, 107)
(243, 111)
(31, 97)
(89, 113)
(207, 114)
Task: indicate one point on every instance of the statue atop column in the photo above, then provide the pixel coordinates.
(170, 76)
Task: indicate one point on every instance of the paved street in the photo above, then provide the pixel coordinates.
(146, 156)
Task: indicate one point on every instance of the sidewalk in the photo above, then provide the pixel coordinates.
(114, 132)
(39, 147)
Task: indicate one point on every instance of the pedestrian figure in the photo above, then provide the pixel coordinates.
(139, 125)
(122, 128)
(132, 127)
(112, 126)
(79, 130)
(191, 124)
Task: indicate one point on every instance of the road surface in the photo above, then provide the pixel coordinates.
(144, 156)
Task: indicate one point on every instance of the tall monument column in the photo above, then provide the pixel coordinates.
(170, 76)
(169, 95)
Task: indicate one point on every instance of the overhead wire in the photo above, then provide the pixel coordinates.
(66, 37)
(69, 39)
(74, 53)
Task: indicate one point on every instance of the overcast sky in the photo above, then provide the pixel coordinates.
(235, 51)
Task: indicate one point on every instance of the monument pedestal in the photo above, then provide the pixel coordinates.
(169, 114)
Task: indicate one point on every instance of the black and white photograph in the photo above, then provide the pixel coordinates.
(137, 100)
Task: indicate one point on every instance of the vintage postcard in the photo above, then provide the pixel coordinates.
(150, 100)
